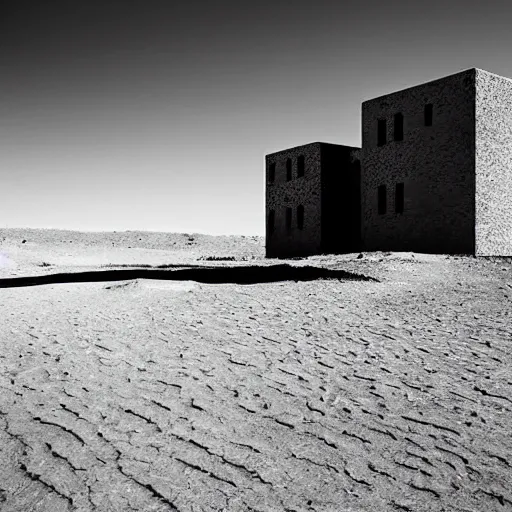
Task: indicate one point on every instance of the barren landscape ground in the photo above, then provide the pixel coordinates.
(350, 394)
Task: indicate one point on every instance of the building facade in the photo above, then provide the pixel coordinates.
(493, 165)
(312, 203)
(418, 168)
(432, 176)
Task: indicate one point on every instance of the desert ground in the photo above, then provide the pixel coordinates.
(387, 387)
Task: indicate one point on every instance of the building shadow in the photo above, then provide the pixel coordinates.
(209, 275)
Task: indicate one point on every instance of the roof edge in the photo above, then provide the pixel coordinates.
(464, 71)
(493, 74)
(316, 143)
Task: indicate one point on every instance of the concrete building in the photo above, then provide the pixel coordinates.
(434, 175)
(312, 200)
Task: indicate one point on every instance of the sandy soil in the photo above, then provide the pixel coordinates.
(328, 395)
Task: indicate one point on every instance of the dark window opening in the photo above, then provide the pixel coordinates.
(429, 113)
(399, 198)
(271, 221)
(300, 166)
(382, 199)
(288, 218)
(399, 127)
(272, 173)
(300, 217)
(288, 169)
(381, 132)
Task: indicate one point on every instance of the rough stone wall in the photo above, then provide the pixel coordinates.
(305, 191)
(341, 199)
(493, 199)
(436, 164)
(355, 155)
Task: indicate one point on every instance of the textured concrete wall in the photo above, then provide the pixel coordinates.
(304, 191)
(329, 192)
(356, 155)
(436, 164)
(341, 199)
(493, 198)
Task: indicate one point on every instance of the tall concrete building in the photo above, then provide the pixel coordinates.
(434, 175)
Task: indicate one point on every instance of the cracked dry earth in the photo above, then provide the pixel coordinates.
(325, 395)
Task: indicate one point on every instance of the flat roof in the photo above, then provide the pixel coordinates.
(431, 82)
(311, 144)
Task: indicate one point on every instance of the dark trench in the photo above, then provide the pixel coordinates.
(209, 275)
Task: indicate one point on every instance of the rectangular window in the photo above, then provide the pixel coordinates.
(381, 132)
(399, 198)
(300, 166)
(272, 173)
(288, 169)
(382, 199)
(300, 217)
(271, 221)
(429, 113)
(288, 218)
(399, 127)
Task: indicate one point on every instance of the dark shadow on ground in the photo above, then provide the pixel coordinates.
(212, 275)
(145, 265)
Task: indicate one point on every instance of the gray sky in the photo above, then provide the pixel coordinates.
(157, 115)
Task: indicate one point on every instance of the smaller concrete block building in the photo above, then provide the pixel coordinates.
(434, 175)
(312, 198)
